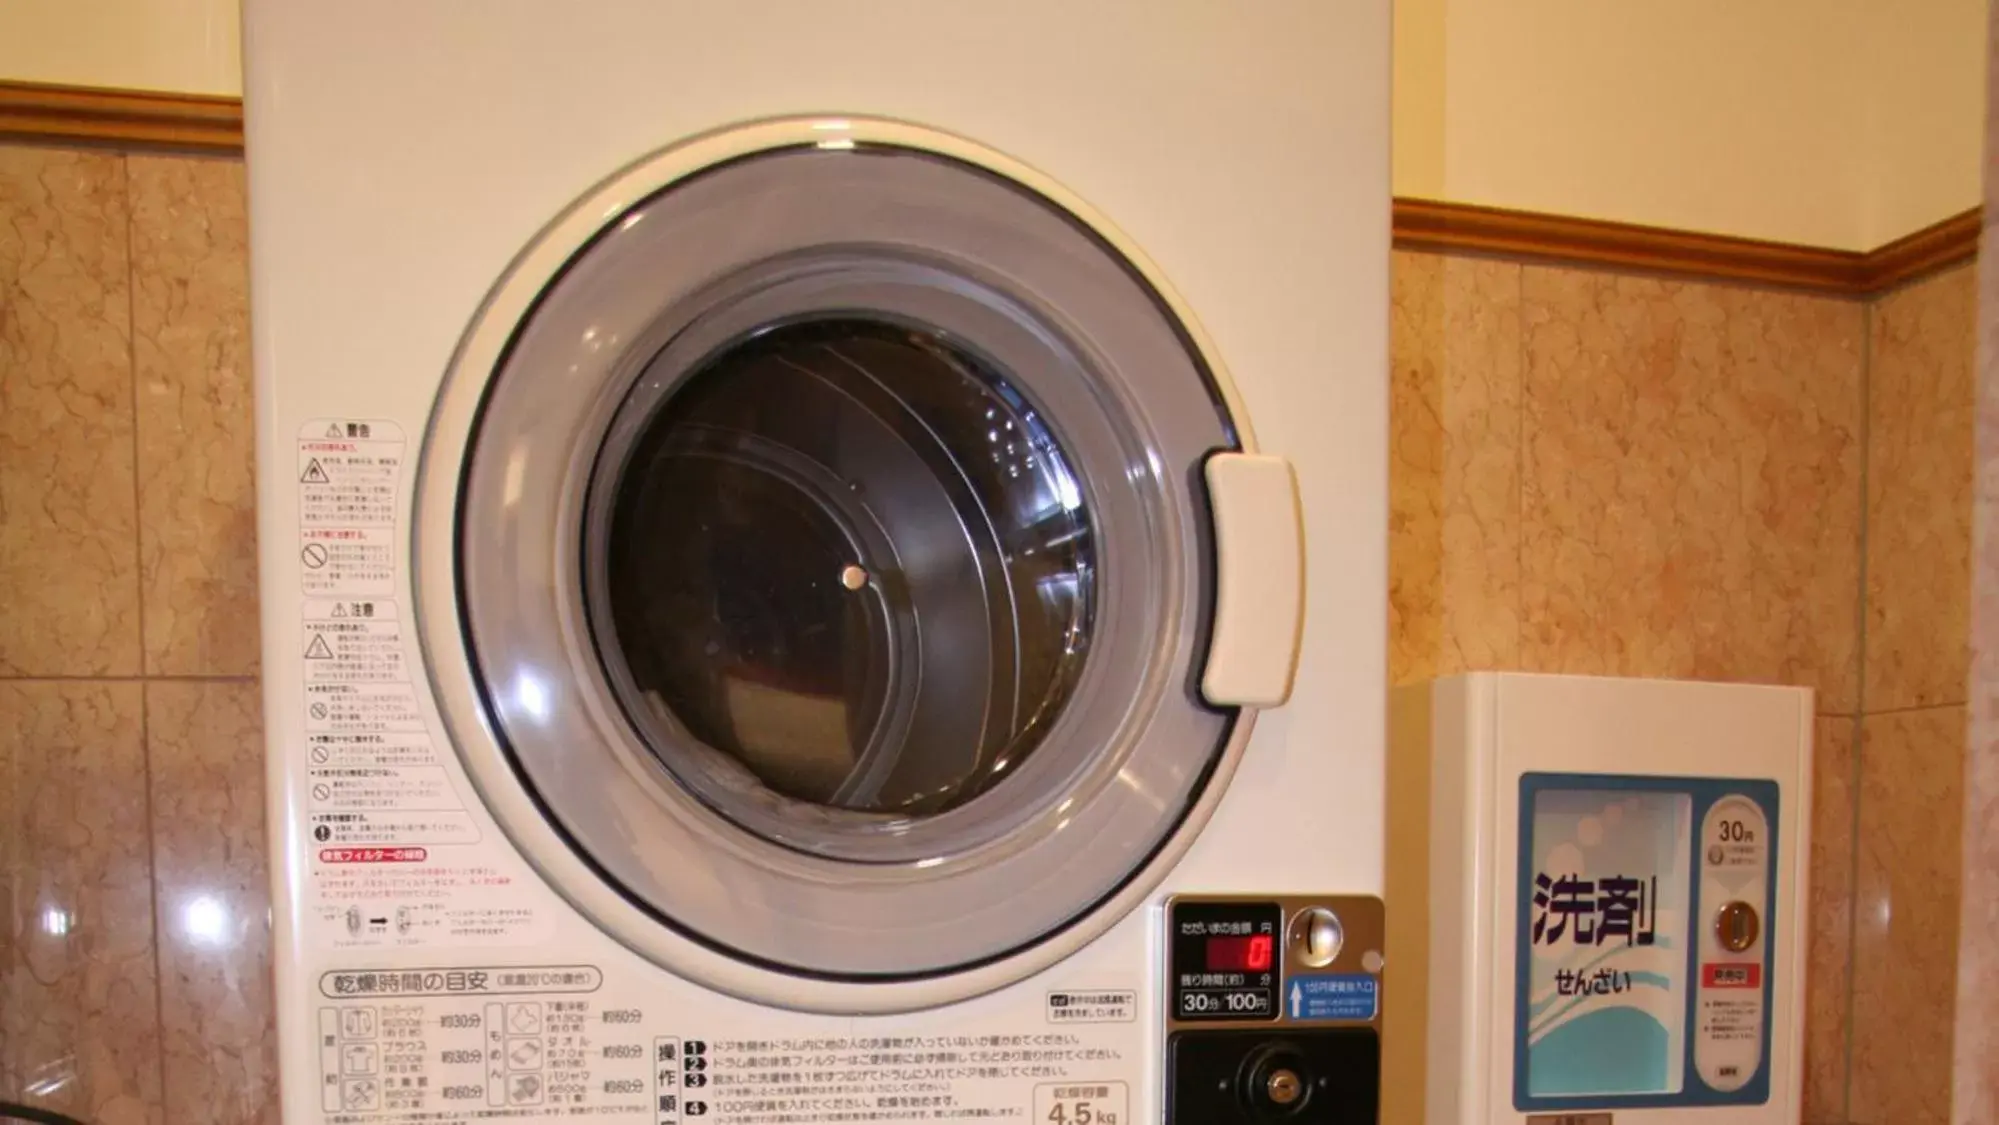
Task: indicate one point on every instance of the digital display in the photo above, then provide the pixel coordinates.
(1223, 960)
(1250, 954)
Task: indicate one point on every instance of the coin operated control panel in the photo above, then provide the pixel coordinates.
(1275, 1013)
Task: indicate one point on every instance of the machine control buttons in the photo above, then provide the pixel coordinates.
(1280, 959)
(1736, 926)
(1316, 937)
(1303, 1049)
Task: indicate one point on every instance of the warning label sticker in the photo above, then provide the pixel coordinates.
(374, 777)
(342, 749)
(353, 642)
(380, 828)
(363, 707)
(347, 560)
(348, 472)
(401, 788)
(398, 856)
(349, 475)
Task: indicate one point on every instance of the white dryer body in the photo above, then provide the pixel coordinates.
(821, 562)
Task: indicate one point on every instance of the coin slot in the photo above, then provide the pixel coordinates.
(1316, 937)
(1737, 926)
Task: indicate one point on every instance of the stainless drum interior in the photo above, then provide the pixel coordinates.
(844, 564)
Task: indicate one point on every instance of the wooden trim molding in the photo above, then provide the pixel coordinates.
(69, 114)
(1937, 246)
(121, 117)
(1421, 224)
(1426, 225)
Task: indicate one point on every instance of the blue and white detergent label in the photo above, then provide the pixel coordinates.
(1623, 994)
(1607, 953)
(1332, 996)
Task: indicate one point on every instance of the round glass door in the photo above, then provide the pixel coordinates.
(845, 562)
(831, 566)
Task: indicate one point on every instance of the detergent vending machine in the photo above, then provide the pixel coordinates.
(1596, 897)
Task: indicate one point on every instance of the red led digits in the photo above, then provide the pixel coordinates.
(1251, 954)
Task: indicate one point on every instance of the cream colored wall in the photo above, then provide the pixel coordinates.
(1838, 123)
(1924, 138)
(186, 46)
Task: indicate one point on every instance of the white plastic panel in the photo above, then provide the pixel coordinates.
(1483, 733)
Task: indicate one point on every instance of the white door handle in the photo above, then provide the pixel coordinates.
(1259, 580)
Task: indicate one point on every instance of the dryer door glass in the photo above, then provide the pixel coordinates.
(847, 558)
(833, 564)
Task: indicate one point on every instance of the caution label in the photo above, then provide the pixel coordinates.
(382, 828)
(394, 788)
(357, 749)
(349, 481)
(399, 858)
(353, 642)
(374, 779)
(349, 473)
(375, 708)
(347, 561)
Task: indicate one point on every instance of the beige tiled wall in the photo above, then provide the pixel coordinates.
(1454, 466)
(1975, 1078)
(1904, 965)
(1591, 473)
(1611, 474)
(134, 918)
(1923, 343)
(1690, 460)
(1911, 780)
(1616, 475)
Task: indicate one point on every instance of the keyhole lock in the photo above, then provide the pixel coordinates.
(1283, 1087)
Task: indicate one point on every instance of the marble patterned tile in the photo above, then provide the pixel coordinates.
(11, 909)
(66, 483)
(206, 749)
(1690, 481)
(1991, 179)
(1906, 915)
(191, 355)
(1828, 962)
(1976, 1096)
(78, 1028)
(1454, 481)
(1919, 473)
